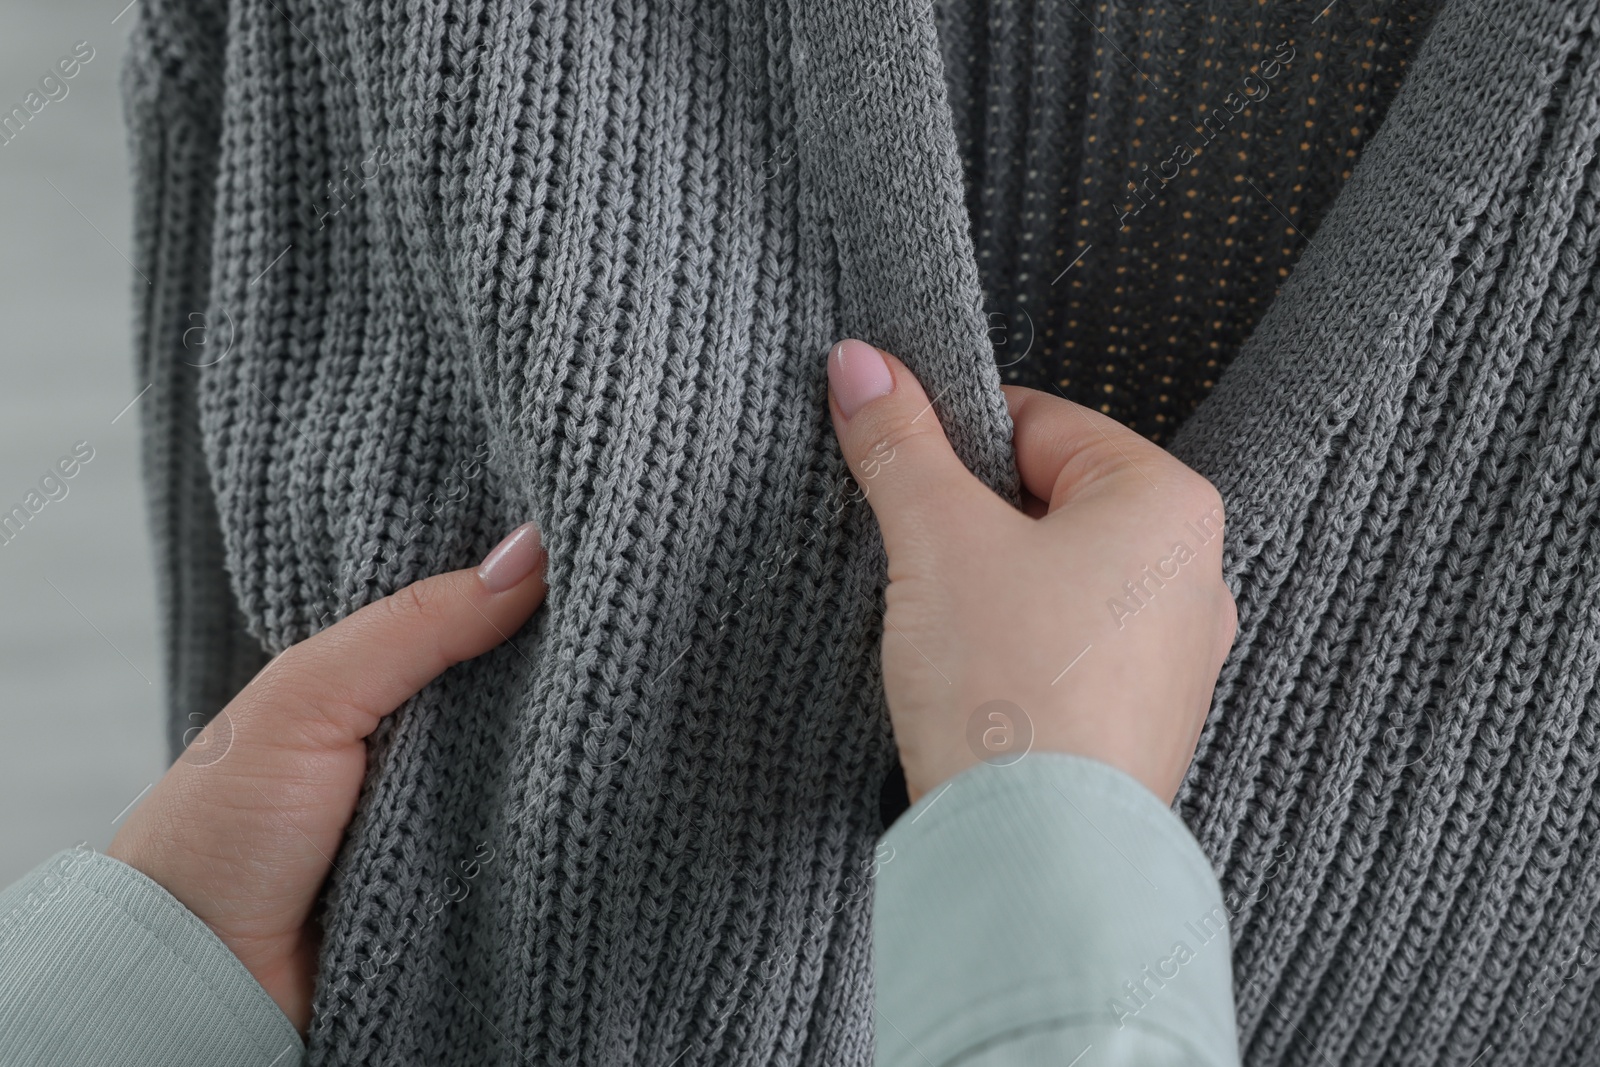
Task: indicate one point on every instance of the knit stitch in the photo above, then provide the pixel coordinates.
(585, 262)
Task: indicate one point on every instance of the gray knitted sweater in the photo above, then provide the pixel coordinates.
(423, 270)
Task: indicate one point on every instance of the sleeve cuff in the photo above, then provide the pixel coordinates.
(1031, 911)
(99, 965)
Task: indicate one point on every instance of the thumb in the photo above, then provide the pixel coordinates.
(895, 447)
(333, 688)
(243, 828)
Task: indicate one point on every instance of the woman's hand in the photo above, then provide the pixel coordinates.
(1094, 621)
(243, 828)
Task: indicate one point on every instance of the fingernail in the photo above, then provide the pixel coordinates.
(512, 560)
(858, 374)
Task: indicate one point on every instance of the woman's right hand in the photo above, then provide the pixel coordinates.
(1094, 621)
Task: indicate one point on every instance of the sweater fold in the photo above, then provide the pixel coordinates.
(464, 263)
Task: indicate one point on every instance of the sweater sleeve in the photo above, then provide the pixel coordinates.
(100, 966)
(172, 95)
(1031, 913)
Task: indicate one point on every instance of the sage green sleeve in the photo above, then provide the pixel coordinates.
(1052, 912)
(1024, 915)
(100, 966)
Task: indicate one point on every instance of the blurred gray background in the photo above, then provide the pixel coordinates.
(80, 720)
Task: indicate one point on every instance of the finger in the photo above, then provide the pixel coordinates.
(1064, 448)
(334, 687)
(894, 444)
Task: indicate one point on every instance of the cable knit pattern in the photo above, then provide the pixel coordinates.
(462, 263)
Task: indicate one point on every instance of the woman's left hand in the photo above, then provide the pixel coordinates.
(243, 828)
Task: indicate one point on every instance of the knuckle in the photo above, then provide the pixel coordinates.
(282, 706)
(307, 699)
(1230, 616)
(880, 436)
(418, 602)
(1200, 493)
(1197, 497)
(307, 707)
(1227, 614)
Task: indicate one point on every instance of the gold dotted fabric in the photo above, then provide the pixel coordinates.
(1141, 180)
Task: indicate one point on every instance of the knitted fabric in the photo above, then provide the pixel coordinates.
(581, 264)
(1113, 273)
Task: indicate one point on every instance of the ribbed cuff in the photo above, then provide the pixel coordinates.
(1030, 912)
(101, 966)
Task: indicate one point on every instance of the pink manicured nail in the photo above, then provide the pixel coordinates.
(512, 560)
(858, 374)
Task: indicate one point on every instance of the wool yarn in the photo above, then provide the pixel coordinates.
(1397, 781)
(1141, 182)
(462, 263)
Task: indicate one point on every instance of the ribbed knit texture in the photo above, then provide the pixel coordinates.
(582, 266)
(105, 968)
